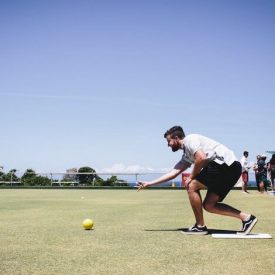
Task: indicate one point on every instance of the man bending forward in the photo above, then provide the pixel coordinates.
(215, 167)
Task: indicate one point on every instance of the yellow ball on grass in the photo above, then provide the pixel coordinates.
(88, 224)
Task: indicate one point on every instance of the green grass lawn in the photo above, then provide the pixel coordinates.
(134, 233)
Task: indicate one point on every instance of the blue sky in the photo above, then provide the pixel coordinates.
(97, 83)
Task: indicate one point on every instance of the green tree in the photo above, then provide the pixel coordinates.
(11, 177)
(2, 175)
(114, 181)
(69, 177)
(98, 181)
(41, 181)
(86, 179)
(30, 178)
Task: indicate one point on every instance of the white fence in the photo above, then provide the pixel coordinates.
(68, 178)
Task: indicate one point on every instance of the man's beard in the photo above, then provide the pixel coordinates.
(175, 149)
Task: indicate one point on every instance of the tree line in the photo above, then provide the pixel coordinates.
(84, 176)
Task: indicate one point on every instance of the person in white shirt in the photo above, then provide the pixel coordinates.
(245, 169)
(214, 167)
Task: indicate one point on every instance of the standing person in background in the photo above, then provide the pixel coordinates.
(262, 174)
(245, 169)
(271, 170)
(255, 168)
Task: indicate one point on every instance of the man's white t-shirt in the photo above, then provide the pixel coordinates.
(214, 150)
(245, 164)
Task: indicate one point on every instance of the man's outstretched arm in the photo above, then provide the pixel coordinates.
(179, 168)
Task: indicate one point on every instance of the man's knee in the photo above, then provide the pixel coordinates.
(208, 206)
(194, 186)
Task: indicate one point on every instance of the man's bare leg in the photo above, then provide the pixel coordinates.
(195, 199)
(211, 204)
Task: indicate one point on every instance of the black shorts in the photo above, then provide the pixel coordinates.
(220, 178)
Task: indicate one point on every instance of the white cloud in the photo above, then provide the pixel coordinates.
(122, 168)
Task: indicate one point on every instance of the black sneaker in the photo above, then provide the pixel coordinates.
(248, 225)
(197, 230)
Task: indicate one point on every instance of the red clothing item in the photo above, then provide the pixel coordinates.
(245, 176)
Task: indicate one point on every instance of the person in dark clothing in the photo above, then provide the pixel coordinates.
(262, 174)
(271, 170)
(255, 168)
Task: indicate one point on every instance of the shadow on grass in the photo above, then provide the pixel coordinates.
(210, 231)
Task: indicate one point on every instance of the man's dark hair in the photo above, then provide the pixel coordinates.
(175, 131)
(245, 153)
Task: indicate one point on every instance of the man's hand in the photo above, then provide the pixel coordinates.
(141, 185)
